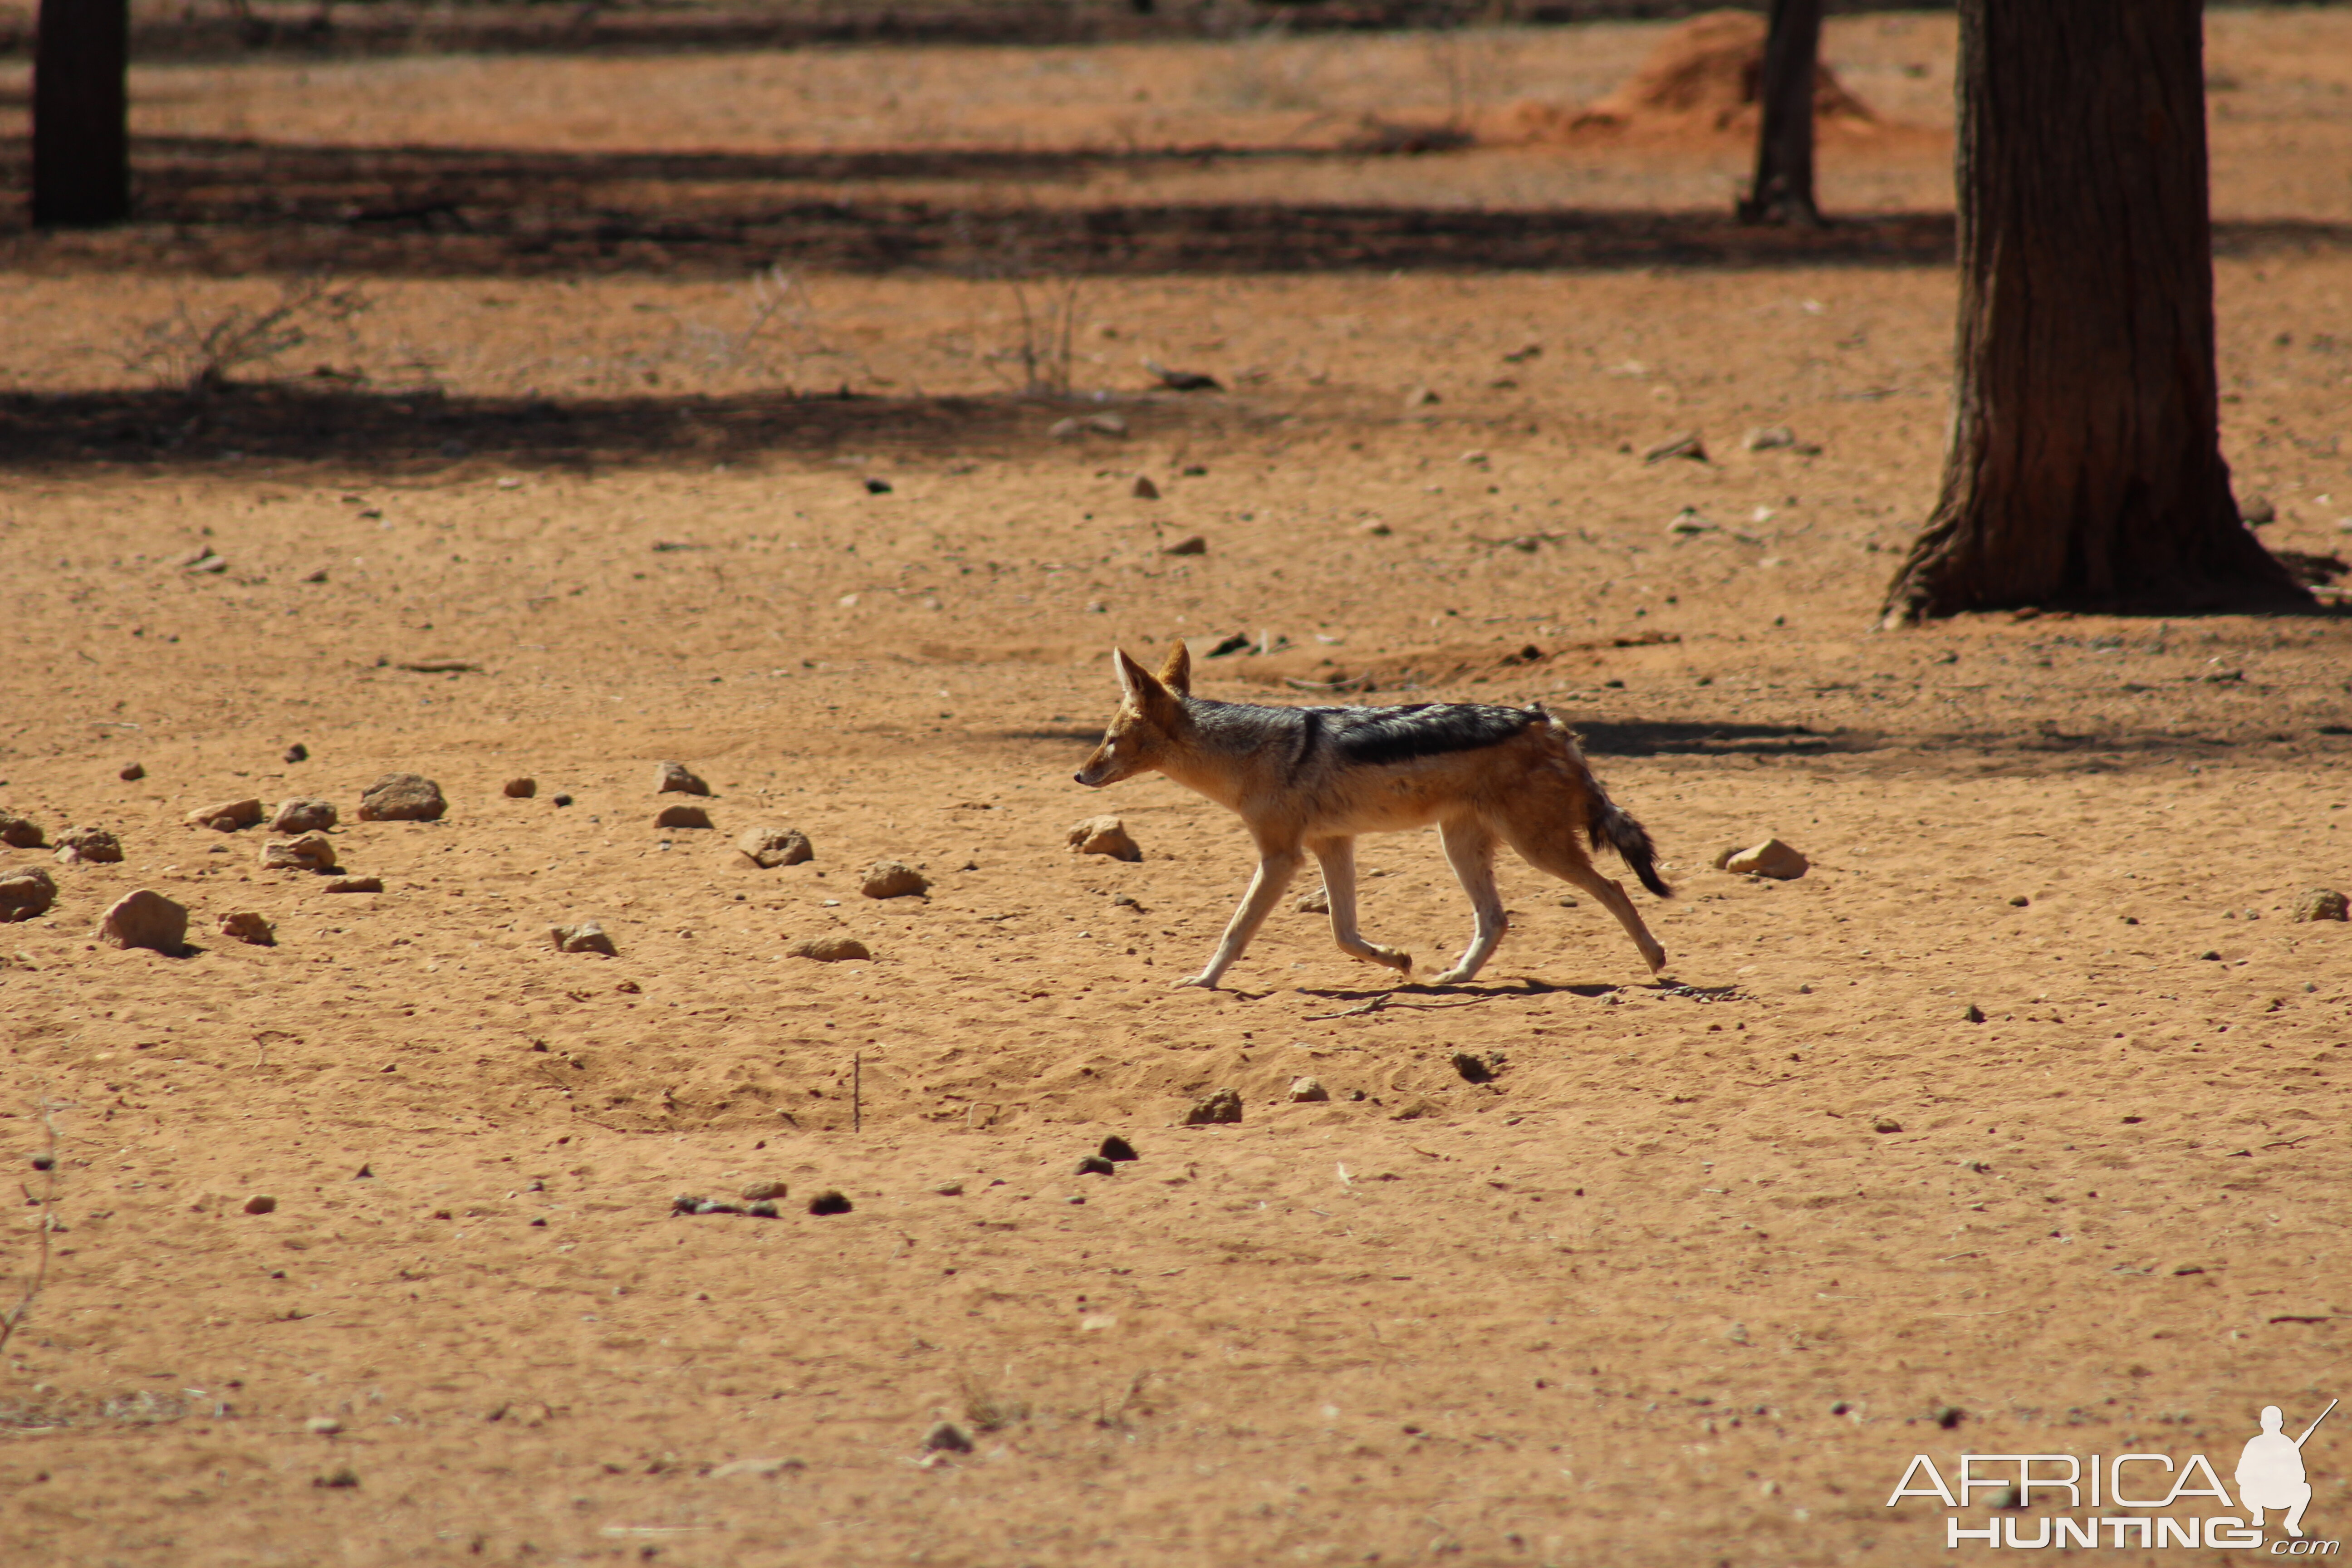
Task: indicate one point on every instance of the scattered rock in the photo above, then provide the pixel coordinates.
(2018, 902)
(1886, 1124)
(950, 1189)
(247, 926)
(1072, 428)
(563, 800)
(946, 1437)
(205, 560)
(1473, 1069)
(2210, 955)
(682, 816)
(312, 852)
(1682, 444)
(1117, 1150)
(259, 1205)
(1317, 903)
(1182, 380)
(828, 1202)
(2322, 904)
(1095, 1165)
(131, 773)
(1104, 835)
(25, 893)
(764, 1470)
(676, 778)
(20, 832)
(1765, 437)
(1375, 527)
(1975, 1015)
(1190, 544)
(1770, 858)
(297, 753)
(830, 949)
(325, 1426)
(1144, 488)
(763, 1192)
(145, 918)
(1412, 1110)
(1224, 1106)
(1308, 1090)
(521, 789)
(1421, 397)
(893, 879)
(586, 937)
(1688, 523)
(876, 487)
(356, 885)
(402, 797)
(769, 847)
(227, 816)
(95, 845)
(303, 813)
(342, 1477)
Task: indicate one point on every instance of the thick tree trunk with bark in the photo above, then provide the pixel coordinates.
(2085, 468)
(82, 144)
(1783, 188)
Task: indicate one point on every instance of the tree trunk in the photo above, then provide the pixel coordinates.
(1783, 189)
(82, 144)
(2084, 466)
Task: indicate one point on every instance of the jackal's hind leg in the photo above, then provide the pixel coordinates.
(1470, 849)
(1274, 870)
(1338, 857)
(1565, 858)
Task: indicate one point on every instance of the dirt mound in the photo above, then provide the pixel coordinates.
(1702, 77)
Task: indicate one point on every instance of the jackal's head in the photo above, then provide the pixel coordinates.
(1150, 720)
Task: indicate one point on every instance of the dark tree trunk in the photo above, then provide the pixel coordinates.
(1783, 189)
(81, 144)
(2085, 468)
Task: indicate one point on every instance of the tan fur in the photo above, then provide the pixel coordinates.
(1533, 792)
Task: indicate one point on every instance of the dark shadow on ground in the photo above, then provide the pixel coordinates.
(1640, 739)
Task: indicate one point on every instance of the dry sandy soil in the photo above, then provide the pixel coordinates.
(1690, 1280)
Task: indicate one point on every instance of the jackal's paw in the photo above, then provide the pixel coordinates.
(1389, 957)
(1206, 982)
(1454, 976)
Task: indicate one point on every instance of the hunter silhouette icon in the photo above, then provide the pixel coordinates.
(2270, 1469)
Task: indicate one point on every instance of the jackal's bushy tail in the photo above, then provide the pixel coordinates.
(1609, 826)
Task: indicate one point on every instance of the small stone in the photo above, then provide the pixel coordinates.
(1077, 426)
(2322, 904)
(765, 1470)
(1886, 1124)
(325, 1426)
(2020, 902)
(521, 789)
(2258, 512)
(763, 1192)
(131, 773)
(2210, 955)
(259, 1205)
(758, 1210)
(769, 847)
(1765, 437)
(893, 879)
(227, 816)
(1095, 1165)
(1473, 1069)
(356, 885)
(312, 852)
(401, 797)
(830, 949)
(1190, 544)
(1104, 835)
(93, 845)
(247, 926)
(25, 893)
(1144, 490)
(203, 559)
(1317, 903)
(20, 832)
(1770, 858)
(946, 1437)
(1412, 1110)
(1421, 397)
(1688, 523)
(629, 988)
(1681, 443)
(686, 1204)
(303, 813)
(586, 937)
(876, 487)
(828, 1203)
(950, 1189)
(1117, 1150)
(297, 751)
(676, 778)
(692, 817)
(343, 1477)
(1375, 527)
(1224, 1106)
(1975, 1015)
(145, 918)
(1307, 1091)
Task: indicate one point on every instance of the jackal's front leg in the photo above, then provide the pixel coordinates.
(1275, 870)
(1337, 856)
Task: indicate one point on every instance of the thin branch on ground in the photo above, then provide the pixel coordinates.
(15, 1317)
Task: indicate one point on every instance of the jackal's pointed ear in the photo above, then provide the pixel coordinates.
(1177, 673)
(1142, 689)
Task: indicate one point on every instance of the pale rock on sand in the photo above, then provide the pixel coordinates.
(2322, 904)
(312, 852)
(1682, 444)
(893, 879)
(227, 816)
(1224, 1105)
(303, 813)
(1770, 858)
(1104, 835)
(25, 893)
(401, 797)
(144, 919)
(769, 847)
(1765, 437)
(247, 926)
(1308, 1090)
(586, 937)
(94, 845)
(829, 948)
(676, 778)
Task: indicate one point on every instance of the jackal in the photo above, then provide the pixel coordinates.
(1307, 780)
